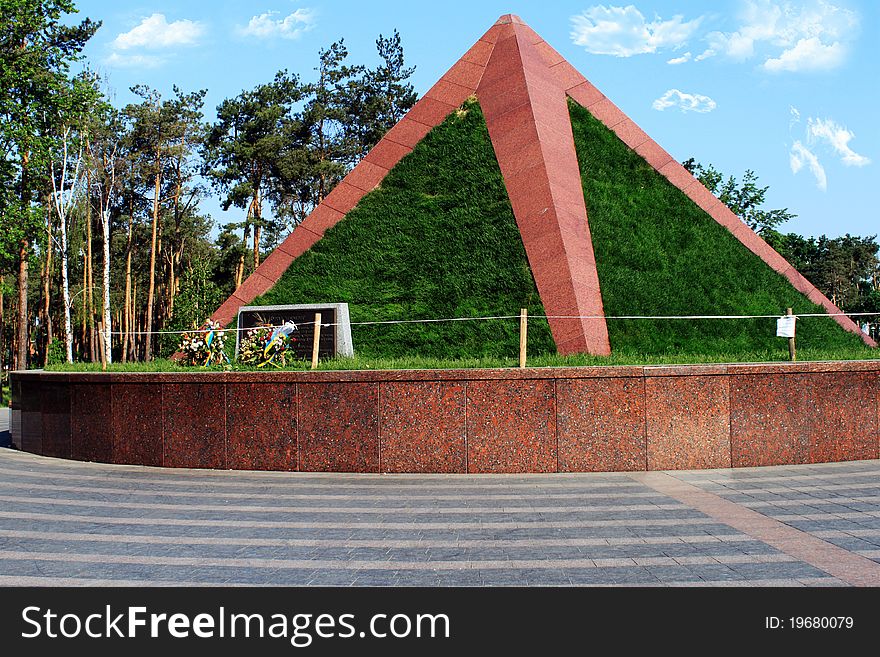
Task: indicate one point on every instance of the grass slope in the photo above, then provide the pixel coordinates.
(658, 253)
(437, 239)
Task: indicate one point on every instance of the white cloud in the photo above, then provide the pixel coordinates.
(623, 31)
(115, 60)
(791, 37)
(289, 27)
(799, 156)
(680, 60)
(808, 55)
(838, 138)
(684, 102)
(156, 32)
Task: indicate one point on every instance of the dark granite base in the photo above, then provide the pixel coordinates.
(137, 423)
(194, 425)
(91, 418)
(261, 426)
(55, 411)
(339, 427)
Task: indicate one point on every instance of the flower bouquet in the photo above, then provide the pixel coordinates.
(267, 345)
(205, 346)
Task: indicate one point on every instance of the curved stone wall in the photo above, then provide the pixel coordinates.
(456, 421)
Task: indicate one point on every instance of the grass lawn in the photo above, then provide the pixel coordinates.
(360, 362)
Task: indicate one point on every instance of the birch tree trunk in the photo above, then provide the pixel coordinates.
(63, 199)
(65, 293)
(105, 226)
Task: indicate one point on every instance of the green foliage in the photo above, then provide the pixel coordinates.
(657, 253)
(36, 96)
(199, 297)
(56, 353)
(437, 240)
(744, 199)
(845, 268)
(384, 94)
(254, 131)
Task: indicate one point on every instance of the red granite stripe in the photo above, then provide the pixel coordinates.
(845, 565)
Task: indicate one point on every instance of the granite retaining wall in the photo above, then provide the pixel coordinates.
(456, 421)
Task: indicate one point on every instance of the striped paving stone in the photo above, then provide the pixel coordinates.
(68, 523)
(826, 514)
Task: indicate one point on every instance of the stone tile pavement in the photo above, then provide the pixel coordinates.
(70, 523)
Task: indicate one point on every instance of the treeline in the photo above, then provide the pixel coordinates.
(846, 269)
(103, 240)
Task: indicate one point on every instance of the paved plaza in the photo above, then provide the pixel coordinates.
(70, 523)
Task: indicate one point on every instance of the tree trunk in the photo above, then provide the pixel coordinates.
(65, 291)
(23, 333)
(135, 336)
(108, 347)
(22, 329)
(45, 276)
(258, 227)
(90, 278)
(127, 316)
(239, 271)
(152, 289)
(85, 325)
(2, 352)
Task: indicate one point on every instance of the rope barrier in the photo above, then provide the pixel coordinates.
(507, 317)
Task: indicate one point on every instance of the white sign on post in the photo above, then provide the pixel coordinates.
(785, 326)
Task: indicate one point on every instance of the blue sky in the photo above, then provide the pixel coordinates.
(786, 88)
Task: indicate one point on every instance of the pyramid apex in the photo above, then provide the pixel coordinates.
(506, 19)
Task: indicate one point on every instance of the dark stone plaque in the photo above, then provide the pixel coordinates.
(335, 339)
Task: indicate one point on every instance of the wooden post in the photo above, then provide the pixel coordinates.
(523, 335)
(101, 346)
(315, 340)
(792, 350)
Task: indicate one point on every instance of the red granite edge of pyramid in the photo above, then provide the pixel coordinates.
(595, 102)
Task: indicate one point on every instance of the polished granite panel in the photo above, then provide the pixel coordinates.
(261, 426)
(338, 427)
(194, 425)
(845, 406)
(31, 418)
(804, 417)
(688, 422)
(771, 419)
(55, 412)
(423, 427)
(91, 414)
(137, 423)
(511, 426)
(601, 425)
